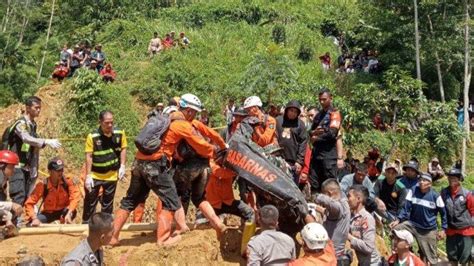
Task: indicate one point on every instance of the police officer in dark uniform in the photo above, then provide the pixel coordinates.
(324, 132)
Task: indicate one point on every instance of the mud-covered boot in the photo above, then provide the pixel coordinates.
(138, 213)
(120, 219)
(215, 221)
(180, 219)
(163, 234)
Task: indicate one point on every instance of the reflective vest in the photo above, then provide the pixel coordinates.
(106, 154)
(23, 150)
(456, 209)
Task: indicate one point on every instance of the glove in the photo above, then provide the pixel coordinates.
(89, 184)
(53, 143)
(121, 172)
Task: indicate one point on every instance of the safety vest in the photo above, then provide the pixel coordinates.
(22, 149)
(456, 209)
(106, 154)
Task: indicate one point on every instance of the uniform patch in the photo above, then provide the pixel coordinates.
(394, 195)
(98, 142)
(272, 126)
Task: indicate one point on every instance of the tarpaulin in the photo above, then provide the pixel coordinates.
(249, 162)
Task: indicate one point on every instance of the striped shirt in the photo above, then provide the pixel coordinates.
(421, 209)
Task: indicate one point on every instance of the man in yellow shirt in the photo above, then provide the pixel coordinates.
(105, 164)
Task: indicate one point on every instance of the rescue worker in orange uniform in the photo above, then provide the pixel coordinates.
(9, 211)
(154, 172)
(264, 131)
(220, 194)
(318, 249)
(58, 197)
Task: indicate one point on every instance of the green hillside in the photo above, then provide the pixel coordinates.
(240, 48)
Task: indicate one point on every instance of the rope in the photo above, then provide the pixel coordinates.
(128, 138)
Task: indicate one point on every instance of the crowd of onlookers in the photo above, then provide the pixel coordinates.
(170, 40)
(82, 56)
(365, 61)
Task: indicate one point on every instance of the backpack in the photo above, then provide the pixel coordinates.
(8, 137)
(148, 140)
(46, 191)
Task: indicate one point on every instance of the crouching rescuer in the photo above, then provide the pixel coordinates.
(151, 170)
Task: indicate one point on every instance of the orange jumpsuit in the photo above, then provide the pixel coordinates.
(264, 133)
(57, 199)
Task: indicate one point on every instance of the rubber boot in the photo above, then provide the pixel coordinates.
(120, 219)
(163, 233)
(180, 219)
(215, 221)
(138, 213)
(249, 231)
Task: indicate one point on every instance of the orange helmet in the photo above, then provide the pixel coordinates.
(9, 157)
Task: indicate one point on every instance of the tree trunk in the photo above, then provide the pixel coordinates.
(467, 83)
(24, 24)
(438, 64)
(47, 40)
(417, 42)
(5, 18)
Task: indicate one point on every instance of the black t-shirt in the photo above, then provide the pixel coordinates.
(392, 195)
(325, 146)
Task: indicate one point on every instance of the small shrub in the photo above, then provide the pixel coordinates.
(279, 34)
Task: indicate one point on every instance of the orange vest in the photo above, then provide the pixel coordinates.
(265, 133)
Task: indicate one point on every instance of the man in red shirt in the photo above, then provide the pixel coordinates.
(459, 204)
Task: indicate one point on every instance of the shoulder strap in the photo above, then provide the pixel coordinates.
(45, 193)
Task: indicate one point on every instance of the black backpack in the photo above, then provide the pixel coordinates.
(8, 135)
(148, 140)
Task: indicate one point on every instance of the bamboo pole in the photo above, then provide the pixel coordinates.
(78, 228)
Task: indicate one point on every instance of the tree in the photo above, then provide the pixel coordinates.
(417, 42)
(271, 74)
(438, 65)
(47, 40)
(467, 82)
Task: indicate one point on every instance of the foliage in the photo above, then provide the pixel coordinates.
(271, 74)
(88, 96)
(413, 128)
(305, 52)
(279, 34)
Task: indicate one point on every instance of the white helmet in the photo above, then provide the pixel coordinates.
(252, 101)
(314, 236)
(189, 100)
(169, 109)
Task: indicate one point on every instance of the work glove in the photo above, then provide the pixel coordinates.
(89, 184)
(53, 143)
(121, 172)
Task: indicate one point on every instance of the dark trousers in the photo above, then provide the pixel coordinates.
(20, 186)
(191, 178)
(238, 208)
(320, 171)
(92, 198)
(155, 176)
(53, 216)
